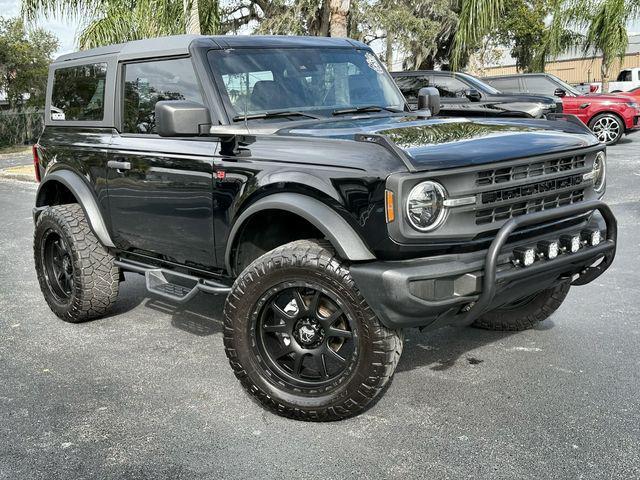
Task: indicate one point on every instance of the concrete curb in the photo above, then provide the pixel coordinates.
(23, 173)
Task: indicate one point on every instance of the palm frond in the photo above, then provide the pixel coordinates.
(476, 19)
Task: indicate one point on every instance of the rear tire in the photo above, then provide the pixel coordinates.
(301, 338)
(77, 275)
(525, 313)
(608, 127)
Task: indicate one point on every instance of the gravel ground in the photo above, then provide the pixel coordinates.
(148, 393)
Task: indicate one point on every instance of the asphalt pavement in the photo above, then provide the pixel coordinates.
(147, 393)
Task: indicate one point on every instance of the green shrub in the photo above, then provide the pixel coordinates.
(20, 128)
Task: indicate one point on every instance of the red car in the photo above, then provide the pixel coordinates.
(635, 93)
(608, 116)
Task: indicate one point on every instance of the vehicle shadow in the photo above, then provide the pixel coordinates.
(441, 349)
(201, 316)
(438, 349)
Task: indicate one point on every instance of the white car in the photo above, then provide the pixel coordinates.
(628, 79)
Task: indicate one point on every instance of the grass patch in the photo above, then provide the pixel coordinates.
(15, 149)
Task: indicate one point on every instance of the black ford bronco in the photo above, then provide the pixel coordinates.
(288, 174)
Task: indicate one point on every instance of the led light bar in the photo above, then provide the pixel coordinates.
(525, 256)
(548, 249)
(591, 237)
(570, 243)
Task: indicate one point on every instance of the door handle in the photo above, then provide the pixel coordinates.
(118, 165)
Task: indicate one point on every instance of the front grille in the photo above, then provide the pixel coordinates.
(505, 212)
(528, 170)
(530, 189)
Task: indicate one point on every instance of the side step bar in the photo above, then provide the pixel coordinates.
(175, 286)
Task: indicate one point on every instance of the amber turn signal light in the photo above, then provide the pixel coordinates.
(389, 211)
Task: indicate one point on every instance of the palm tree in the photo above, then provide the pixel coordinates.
(476, 19)
(116, 21)
(606, 30)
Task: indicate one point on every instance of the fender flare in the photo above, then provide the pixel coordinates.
(78, 187)
(336, 229)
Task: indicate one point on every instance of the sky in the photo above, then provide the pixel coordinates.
(67, 30)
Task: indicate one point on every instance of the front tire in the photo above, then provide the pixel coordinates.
(77, 275)
(301, 338)
(607, 127)
(524, 313)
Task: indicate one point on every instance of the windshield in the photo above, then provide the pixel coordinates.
(566, 87)
(479, 84)
(255, 81)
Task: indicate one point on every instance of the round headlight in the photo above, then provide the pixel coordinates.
(425, 208)
(599, 172)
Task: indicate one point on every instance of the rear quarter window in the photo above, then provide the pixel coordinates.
(78, 93)
(505, 85)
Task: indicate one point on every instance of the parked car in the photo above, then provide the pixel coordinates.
(457, 90)
(287, 174)
(627, 79)
(635, 93)
(608, 116)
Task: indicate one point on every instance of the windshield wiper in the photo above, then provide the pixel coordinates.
(367, 108)
(281, 113)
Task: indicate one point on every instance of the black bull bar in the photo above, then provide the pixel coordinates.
(492, 278)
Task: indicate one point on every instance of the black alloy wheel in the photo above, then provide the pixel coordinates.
(77, 275)
(58, 266)
(301, 338)
(304, 336)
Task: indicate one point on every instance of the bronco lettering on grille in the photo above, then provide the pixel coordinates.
(531, 189)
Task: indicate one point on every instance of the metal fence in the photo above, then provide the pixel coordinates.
(20, 128)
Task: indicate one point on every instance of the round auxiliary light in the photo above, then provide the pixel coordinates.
(599, 171)
(425, 206)
(570, 243)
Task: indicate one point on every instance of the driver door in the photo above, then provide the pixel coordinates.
(160, 189)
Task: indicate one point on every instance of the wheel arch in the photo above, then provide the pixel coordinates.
(65, 186)
(344, 239)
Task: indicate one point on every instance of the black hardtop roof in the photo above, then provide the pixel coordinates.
(514, 75)
(179, 45)
(437, 72)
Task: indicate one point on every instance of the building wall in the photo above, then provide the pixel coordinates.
(575, 70)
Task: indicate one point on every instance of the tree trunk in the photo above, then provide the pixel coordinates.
(388, 54)
(339, 17)
(604, 70)
(192, 17)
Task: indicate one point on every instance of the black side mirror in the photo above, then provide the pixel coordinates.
(429, 98)
(181, 118)
(474, 95)
(559, 92)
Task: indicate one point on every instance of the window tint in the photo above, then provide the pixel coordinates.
(147, 83)
(505, 85)
(410, 85)
(624, 76)
(78, 92)
(271, 79)
(540, 85)
(450, 87)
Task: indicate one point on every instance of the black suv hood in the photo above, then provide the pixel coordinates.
(451, 142)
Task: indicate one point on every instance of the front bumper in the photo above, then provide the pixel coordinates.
(633, 125)
(457, 289)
